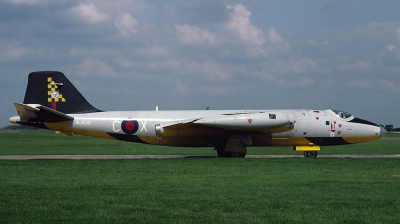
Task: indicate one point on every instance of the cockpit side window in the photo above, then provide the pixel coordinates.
(343, 114)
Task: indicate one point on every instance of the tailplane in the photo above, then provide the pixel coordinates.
(53, 90)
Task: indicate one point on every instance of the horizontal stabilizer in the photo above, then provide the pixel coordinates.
(39, 113)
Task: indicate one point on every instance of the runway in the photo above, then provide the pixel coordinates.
(83, 157)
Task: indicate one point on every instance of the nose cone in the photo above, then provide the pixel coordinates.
(382, 131)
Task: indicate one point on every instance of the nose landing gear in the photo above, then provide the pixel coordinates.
(310, 154)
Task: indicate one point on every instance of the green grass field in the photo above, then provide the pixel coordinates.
(295, 190)
(193, 190)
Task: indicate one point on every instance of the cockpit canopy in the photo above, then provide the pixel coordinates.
(343, 114)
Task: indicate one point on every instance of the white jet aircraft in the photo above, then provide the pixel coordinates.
(52, 102)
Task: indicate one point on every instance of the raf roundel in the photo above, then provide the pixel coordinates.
(130, 127)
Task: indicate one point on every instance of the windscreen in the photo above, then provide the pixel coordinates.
(343, 114)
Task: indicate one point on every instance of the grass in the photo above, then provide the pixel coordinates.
(194, 190)
(49, 143)
(213, 190)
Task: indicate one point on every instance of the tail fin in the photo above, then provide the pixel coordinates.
(52, 89)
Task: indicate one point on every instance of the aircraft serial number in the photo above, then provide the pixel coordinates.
(83, 122)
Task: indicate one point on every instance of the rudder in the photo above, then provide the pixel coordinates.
(52, 89)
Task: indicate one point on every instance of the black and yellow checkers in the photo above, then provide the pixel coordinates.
(54, 94)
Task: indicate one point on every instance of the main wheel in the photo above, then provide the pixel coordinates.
(222, 153)
(310, 154)
(237, 154)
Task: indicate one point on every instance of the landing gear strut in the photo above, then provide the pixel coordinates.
(310, 154)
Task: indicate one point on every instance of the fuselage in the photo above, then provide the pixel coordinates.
(296, 127)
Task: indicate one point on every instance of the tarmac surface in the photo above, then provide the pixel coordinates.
(82, 157)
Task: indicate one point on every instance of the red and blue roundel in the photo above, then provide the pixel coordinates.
(130, 127)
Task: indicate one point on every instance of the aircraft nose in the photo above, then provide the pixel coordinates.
(382, 131)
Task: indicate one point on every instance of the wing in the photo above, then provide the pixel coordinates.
(227, 123)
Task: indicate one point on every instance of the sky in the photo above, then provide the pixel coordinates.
(190, 55)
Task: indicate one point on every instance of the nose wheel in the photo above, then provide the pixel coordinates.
(310, 154)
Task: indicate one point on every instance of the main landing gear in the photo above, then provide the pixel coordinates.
(233, 147)
(310, 154)
(222, 153)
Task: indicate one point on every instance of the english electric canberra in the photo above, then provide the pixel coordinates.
(52, 102)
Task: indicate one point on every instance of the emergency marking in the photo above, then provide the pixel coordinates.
(333, 126)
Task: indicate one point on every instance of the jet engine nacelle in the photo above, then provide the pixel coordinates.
(250, 122)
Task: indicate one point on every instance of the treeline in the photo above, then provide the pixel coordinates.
(389, 127)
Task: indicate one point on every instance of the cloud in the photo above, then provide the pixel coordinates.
(276, 40)
(95, 68)
(296, 73)
(126, 24)
(256, 43)
(359, 83)
(237, 33)
(181, 87)
(273, 37)
(361, 65)
(301, 82)
(372, 31)
(214, 72)
(389, 85)
(239, 23)
(168, 64)
(292, 67)
(390, 47)
(193, 35)
(11, 51)
(117, 6)
(125, 63)
(315, 43)
(332, 6)
(398, 33)
(89, 13)
(27, 2)
(153, 51)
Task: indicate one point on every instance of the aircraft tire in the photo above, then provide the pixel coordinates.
(310, 154)
(237, 154)
(222, 153)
